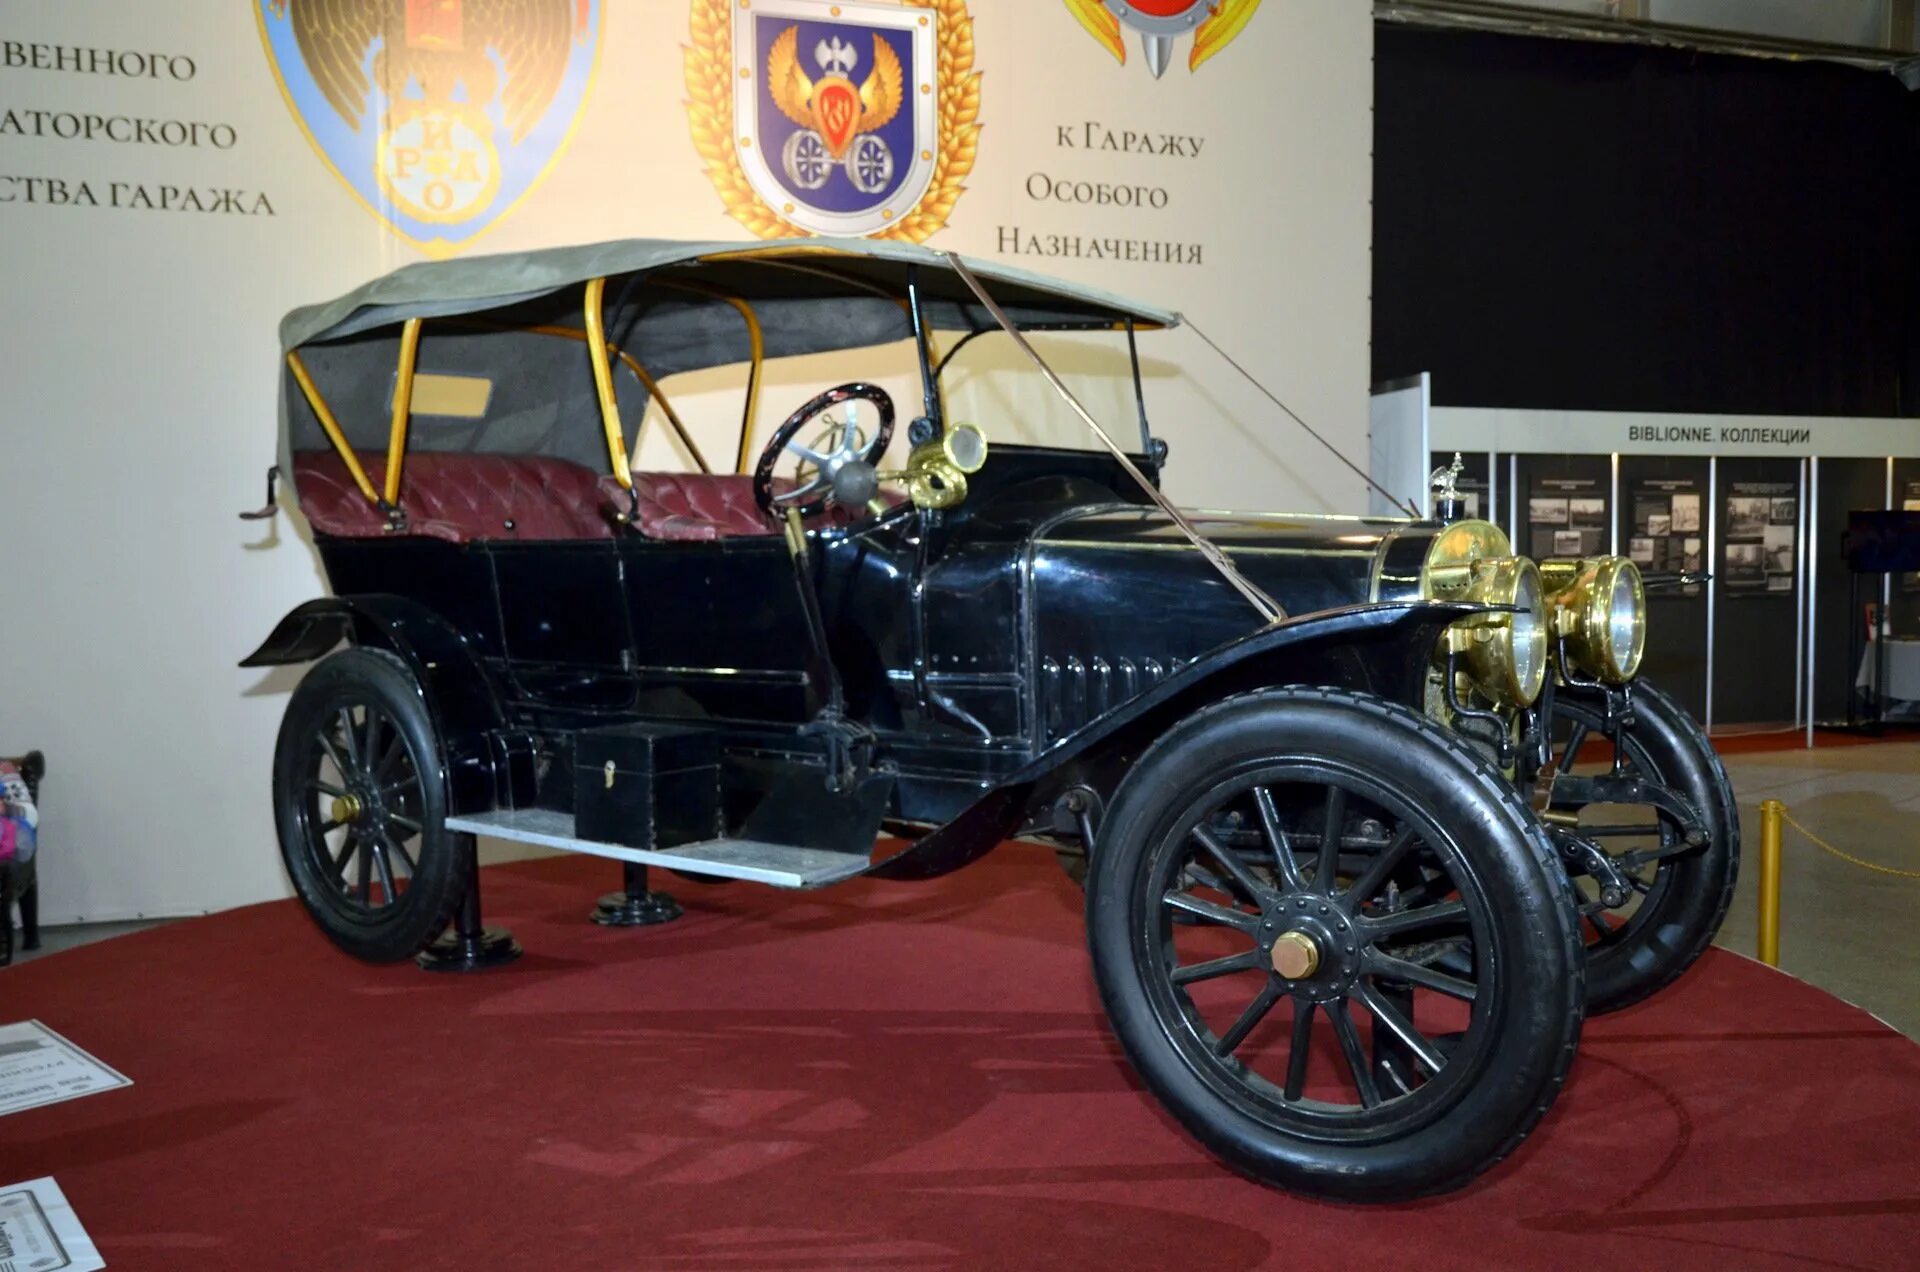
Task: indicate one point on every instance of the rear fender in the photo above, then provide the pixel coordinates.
(488, 766)
(1381, 649)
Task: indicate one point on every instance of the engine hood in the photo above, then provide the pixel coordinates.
(1121, 597)
(1305, 563)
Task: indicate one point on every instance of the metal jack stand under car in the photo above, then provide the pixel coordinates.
(634, 905)
(469, 945)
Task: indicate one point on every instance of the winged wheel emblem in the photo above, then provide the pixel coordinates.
(836, 117)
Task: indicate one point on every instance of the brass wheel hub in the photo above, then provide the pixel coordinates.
(1295, 955)
(1311, 947)
(348, 809)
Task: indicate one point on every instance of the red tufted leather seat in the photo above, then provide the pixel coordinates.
(458, 497)
(461, 497)
(698, 506)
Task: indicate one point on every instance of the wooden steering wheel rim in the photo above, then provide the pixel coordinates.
(853, 391)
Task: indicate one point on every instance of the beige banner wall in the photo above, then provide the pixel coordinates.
(138, 327)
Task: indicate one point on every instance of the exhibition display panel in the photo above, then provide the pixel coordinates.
(1758, 503)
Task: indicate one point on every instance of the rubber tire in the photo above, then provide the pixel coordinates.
(440, 885)
(1537, 1022)
(1701, 885)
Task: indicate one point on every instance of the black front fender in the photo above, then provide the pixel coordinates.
(1381, 649)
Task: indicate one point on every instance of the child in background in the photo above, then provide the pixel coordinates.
(19, 819)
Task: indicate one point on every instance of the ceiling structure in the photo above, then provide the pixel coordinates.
(1872, 33)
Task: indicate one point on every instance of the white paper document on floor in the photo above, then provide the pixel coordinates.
(38, 1066)
(40, 1233)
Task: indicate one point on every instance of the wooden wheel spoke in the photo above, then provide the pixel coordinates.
(1331, 833)
(370, 748)
(390, 791)
(382, 864)
(346, 736)
(325, 788)
(1382, 866)
(1254, 890)
(1228, 966)
(1400, 922)
(1256, 1011)
(1421, 974)
(408, 822)
(366, 875)
(1356, 1056)
(341, 858)
(1277, 840)
(396, 749)
(340, 765)
(1388, 1017)
(1299, 1050)
(1207, 910)
(399, 848)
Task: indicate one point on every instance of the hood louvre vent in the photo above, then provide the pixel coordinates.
(1075, 692)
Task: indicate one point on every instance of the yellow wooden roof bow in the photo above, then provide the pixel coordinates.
(603, 383)
(402, 407)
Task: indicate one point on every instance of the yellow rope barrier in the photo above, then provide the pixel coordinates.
(1846, 856)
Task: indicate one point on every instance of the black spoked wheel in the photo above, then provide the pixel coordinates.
(360, 806)
(1677, 894)
(1335, 944)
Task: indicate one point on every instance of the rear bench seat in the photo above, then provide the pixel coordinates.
(461, 497)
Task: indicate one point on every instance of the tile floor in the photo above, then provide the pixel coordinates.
(1850, 931)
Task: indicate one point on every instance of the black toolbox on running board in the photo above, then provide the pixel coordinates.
(649, 786)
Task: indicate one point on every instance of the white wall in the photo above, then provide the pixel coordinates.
(140, 373)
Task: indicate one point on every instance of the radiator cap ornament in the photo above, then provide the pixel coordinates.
(1447, 503)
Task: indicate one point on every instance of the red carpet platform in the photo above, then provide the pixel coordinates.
(881, 1076)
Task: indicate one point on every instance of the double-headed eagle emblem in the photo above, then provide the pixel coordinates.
(1213, 23)
(445, 47)
(437, 114)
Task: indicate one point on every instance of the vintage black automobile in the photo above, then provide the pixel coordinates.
(1327, 779)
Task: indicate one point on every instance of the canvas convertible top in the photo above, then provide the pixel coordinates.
(438, 289)
(666, 307)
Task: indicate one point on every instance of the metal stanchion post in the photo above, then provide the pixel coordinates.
(1772, 816)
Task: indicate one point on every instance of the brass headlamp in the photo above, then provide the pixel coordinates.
(1600, 614)
(1505, 652)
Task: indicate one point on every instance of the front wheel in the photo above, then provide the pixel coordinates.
(361, 806)
(1335, 945)
(1679, 896)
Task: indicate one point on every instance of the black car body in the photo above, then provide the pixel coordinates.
(743, 676)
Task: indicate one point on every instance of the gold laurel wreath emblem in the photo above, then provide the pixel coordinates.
(710, 73)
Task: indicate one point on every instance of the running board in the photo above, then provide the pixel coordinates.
(782, 865)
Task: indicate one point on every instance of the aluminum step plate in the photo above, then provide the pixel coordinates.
(782, 865)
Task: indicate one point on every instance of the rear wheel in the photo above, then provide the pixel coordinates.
(361, 808)
(1677, 902)
(1335, 944)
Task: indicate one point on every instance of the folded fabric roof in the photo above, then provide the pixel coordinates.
(783, 270)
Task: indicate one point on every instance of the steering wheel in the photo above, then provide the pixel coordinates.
(841, 458)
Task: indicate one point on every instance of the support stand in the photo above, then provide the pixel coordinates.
(470, 946)
(636, 906)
